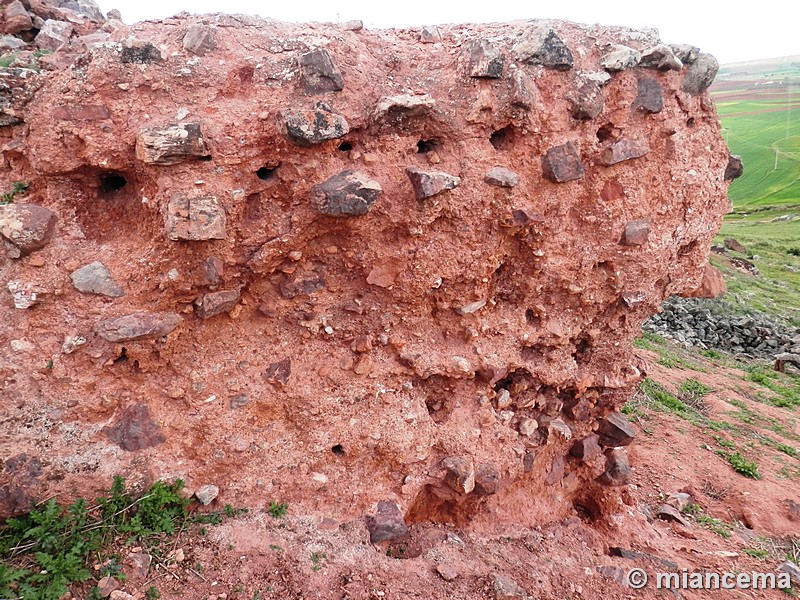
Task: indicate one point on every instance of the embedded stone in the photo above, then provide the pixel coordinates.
(623, 150)
(686, 53)
(141, 53)
(9, 42)
(649, 96)
(557, 427)
(487, 480)
(137, 326)
(26, 228)
(505, 588)
(667, 512)
(636, 233)
(562, 163)
(386, 524)
(16, 19)
(528, 427)
(135, 430)
(632, 299)
(319, 73)
(53, 35)
(95, 278)
(301, 285)
(278, 373)
(307, 127)
(700, 75)
(484, 60)
(587, 448)
(618, 469)
(620, 58)
(216, 303)
(431, 183)
(523, 89)
(586, 101)
(660, 57)
(199, 39)
(82, 112)
(501, 177)
(346, 194)
(614, 430)
(679, 500)
(404, 105)
(460, 473)
(195, 219)
(206, 494)
(430, 35)
(85, 8)
(541, 45)
(24, 295)
(170, 145)
(735, 167)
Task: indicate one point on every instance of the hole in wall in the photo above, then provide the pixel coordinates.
(111, 182)
(425, 146)
(122, 358)
(606, 132)
(265, 173)
(690, 122)
(206, 158)
(502, 139)
(345, 147)
(338, 450)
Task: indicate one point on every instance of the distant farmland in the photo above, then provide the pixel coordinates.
(759, 105)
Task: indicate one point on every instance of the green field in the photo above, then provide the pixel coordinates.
(769, 143)
(761, 122)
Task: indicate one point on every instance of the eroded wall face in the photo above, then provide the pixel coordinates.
(333, 267)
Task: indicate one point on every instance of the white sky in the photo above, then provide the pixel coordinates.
(761, 30)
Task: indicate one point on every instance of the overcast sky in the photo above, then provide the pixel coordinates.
(762, 30)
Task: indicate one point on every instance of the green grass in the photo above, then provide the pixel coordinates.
(51, 548)
(718, 526)
(18, 187)
(740, 464)
(277, 510)
(785, 388)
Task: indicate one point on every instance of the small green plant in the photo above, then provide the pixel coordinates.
(277, 510)
(44, 552)
(740, 464)
(723, 442)
(756, 553)
(18, 187)
(152, 593)
(693, 390)
(317, 560)
(786, 449)
(711, 353)
(718, 526)
(7, 59)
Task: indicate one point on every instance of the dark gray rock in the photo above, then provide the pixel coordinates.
(278, 373)
(171, 144)
(666, 512)
(735, 167)
(95, 278)
(618, 469)
(586, 101)
(660, 57)
(346, 194)
(142, 53)
(700, 75)
(199, 39)
(308, 127)
(686, 53)
(620, 58)
(484, 60)
(9, 42)
(614, 430)
(137, 326)
(636, 233)
(562, 163)
(386, 524)
(216, 303)
(431, 183)
(623, 150)
(501, 177)
(195, 218)
(586, 449)
(541, 45)
(26, 228)
(487, 480)
(136, 429)
(319, 73)
(86, 8)
(649, 96)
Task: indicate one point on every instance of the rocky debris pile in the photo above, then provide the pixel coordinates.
(30, 30)
(248, 256)
(707, 323)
